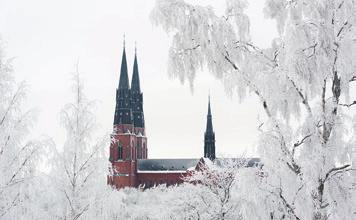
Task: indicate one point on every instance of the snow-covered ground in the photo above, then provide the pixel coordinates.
(305, 84)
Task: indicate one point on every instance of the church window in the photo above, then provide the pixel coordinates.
(144, 156)
(132, 151)
(128, 156)
(119, 151)
(138, 151)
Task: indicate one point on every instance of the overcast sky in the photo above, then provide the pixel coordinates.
(48, 38)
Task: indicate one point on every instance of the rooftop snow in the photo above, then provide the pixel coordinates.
(166, 164)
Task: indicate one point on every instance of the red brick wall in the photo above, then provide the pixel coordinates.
(151, 179)
(123, 174)
(141, 147)
(123, 171)
(123, 128)
(128, 142)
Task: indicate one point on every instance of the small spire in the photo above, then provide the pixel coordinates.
(209, 136)
(209, 123)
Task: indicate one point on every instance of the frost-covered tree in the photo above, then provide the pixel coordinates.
(19, 156)
(215, 182)
(207, 194)
(79, 169)
(303, 82)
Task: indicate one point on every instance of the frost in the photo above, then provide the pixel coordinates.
(19, 156)
(306, 76)
(77, 178)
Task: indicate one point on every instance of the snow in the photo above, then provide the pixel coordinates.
(301, 82)
(161, 171)
(307, 140)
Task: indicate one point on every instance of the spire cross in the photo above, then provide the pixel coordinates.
(209, 95)
(135, 47)
(124, 40)
(209, 111)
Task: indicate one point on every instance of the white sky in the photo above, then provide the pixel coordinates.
(47, 38)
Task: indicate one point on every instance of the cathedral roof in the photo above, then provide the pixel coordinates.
(164, 165)
(248, 162)
(182, 165)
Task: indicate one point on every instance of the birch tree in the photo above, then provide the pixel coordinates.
(303, 83)
(79, 169)
(215, 182)
(19, 156)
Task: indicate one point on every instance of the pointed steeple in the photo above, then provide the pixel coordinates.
(124, 78)
(135, 82)
(209, 122)
(209, 136)
(137, 97)
(123, 112)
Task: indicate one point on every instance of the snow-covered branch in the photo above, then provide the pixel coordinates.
(309, 65)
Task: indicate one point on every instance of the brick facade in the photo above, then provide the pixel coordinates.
(128, 149)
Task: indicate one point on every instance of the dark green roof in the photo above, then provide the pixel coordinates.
(135, 82)
(166, 164)
(124, 78)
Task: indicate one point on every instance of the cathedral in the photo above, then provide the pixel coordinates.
(130, 166)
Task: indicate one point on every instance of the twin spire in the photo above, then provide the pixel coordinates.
(129, 106)
(135, 82)
(124, 77)
(129, 101)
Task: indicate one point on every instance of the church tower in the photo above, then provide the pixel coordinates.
(128, 140)
(137, 112)
(209, 137)
(123, 112)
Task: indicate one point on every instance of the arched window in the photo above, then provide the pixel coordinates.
(144, 151)
(119, 151)
(138, 151)
(128, 153)
(133, 157)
